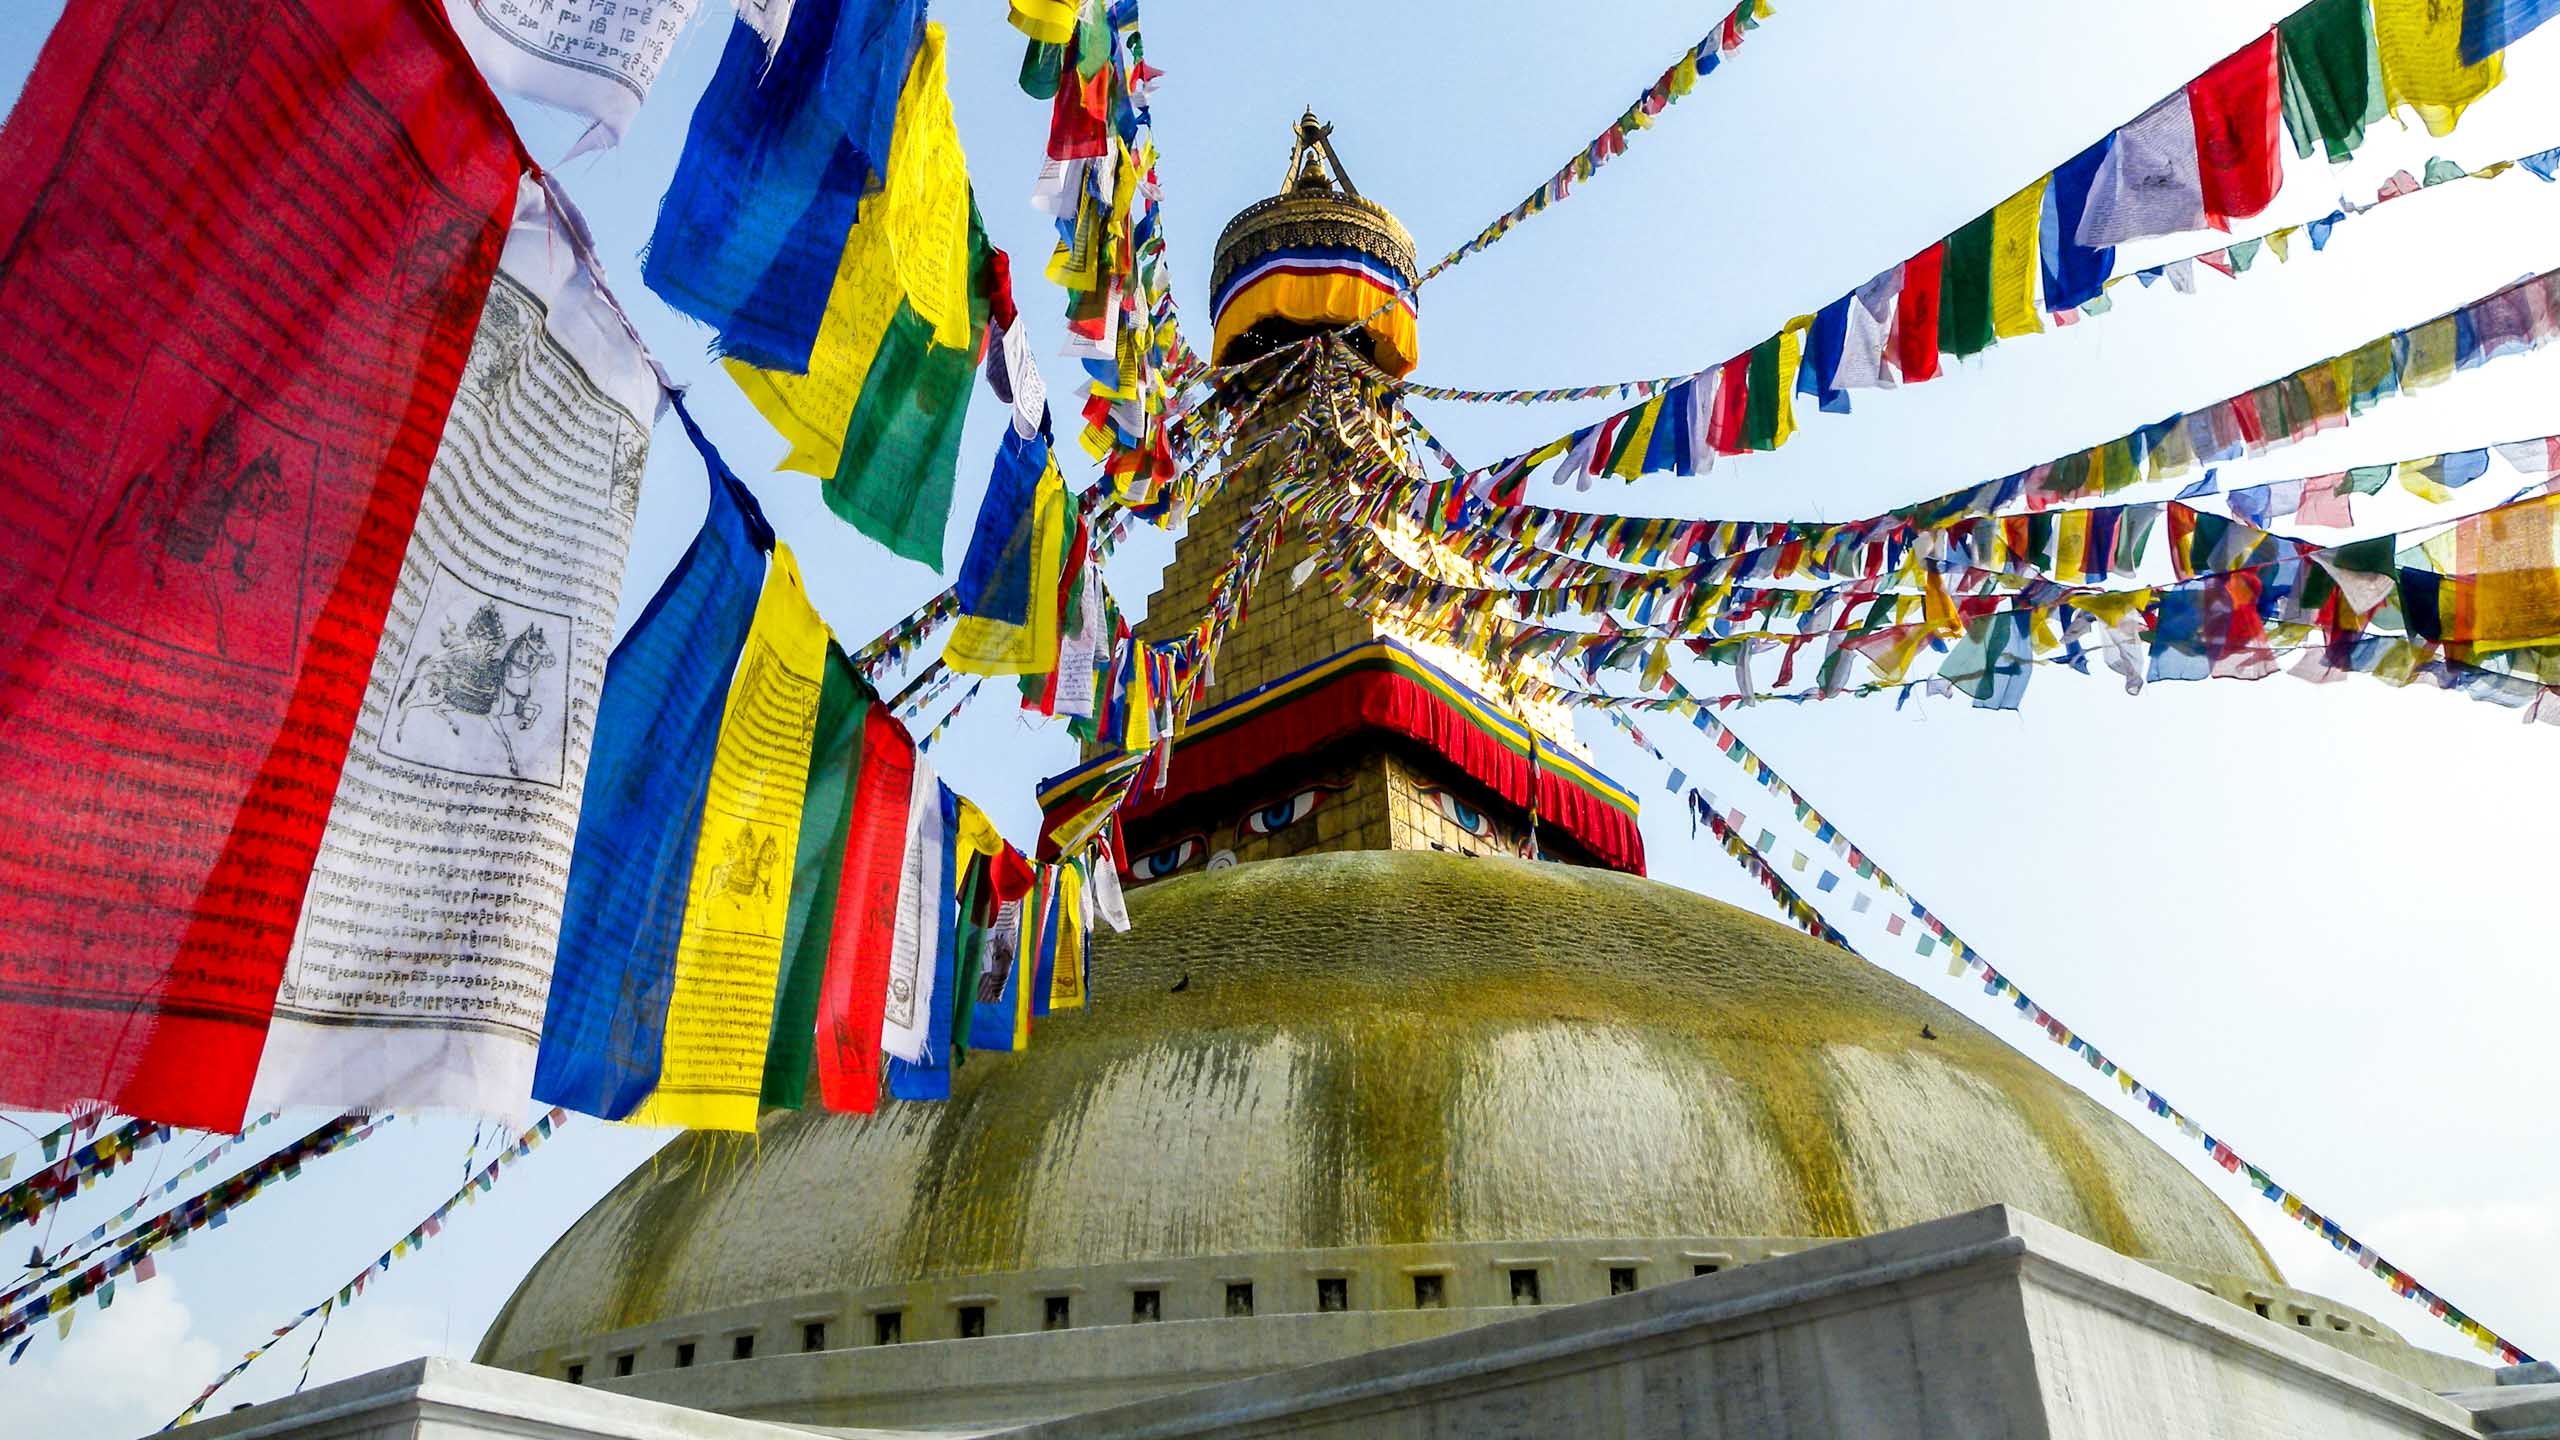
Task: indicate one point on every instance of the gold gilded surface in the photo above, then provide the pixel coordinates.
(1287, 221)
(1394, 1047)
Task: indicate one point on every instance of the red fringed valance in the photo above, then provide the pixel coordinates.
(1384, 690)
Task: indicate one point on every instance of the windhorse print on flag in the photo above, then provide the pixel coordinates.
(419, 970)
(243, 249)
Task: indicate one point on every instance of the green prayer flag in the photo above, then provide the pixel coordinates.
(1760, 414)
(1964, 293)
(2332, 76)
(902, 446)
(1041, 64)
(2244, 253)
(826, 818)
(2366, 479)
(970, 940)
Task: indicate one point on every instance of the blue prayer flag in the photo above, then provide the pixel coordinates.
(2489, 26)
(2074, 274)
(994, 582)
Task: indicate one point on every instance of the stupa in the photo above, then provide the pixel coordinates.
(1363, 1072)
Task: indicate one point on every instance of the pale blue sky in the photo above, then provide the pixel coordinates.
(2309, 915)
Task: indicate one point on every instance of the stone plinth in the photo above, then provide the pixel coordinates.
(1988, 1324)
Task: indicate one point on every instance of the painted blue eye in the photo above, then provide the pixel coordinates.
(1461, 814)
(1284, 814)
(1167, 860)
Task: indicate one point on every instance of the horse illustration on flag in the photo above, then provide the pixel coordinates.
(200, 511)
(745, 872)
(478, 670)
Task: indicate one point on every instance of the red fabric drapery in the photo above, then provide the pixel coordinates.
(1368, 701)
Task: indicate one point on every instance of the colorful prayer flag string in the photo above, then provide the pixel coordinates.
(77, 1171)
(62, 1256)
(2234, 258)
(135, 1254)
(525, 1144)
(1933, 932)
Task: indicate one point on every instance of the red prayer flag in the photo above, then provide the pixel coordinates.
(246, 245)
(2236, 111)
(1915, 321)
(1080, 120)
(1733, 403)
(855, 991)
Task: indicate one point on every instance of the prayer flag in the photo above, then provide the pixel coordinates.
(2504, 592)
(2420, 45)
(1915, 326)
(1769, 418)
(925, 888)
(424, 946)
(1726, 427)
(1864, 344)
(2489, 26)
(925, 1023)
(1047, 22)
(999, 986)
(1009, 586)
(2074, 274)
(656, 724)
(817, 873)
(2148, 184)
(855, 991)
(247, 247)
(2014, 261)
(1825, 345)
(2235, 110)
(2332, 78)
(1964, 296)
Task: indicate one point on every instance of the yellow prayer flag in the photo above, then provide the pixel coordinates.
(2415, 479)
(2281, 241)
(1066, 970)
(2511, 556)
(1940, 609)
(1051, 22)
(2015, 262)
(1790, 356)
(729, 953)
(2420, 42)
(2433, 348)
(912, 245)
(2070, 544)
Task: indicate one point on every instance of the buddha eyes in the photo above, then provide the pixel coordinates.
(1282, 814)
(1461, 814)
(1173, 857)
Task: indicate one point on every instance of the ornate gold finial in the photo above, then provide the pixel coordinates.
(1314, 168)
(1317, 205)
